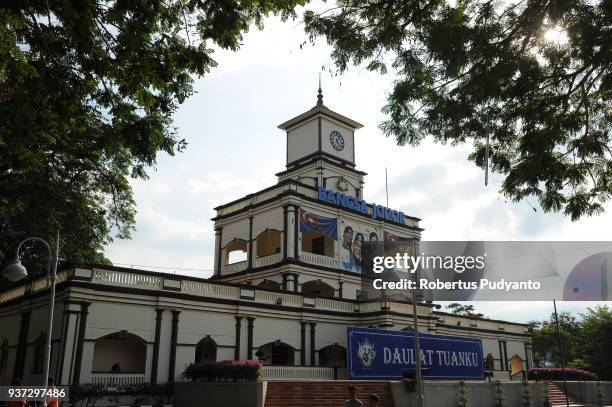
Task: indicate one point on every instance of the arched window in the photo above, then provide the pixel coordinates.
(39, 354)
(317, 243)
(206, 350)
(318, 287)
(276, 353)
(269, 284)
(119, 352)
(268, 243)
(236, 251)
(4, 352)
(333, 356)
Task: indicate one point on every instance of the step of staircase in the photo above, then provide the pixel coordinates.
(557, 397)
(324, 393)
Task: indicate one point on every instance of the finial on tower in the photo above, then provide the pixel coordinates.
(320, 94)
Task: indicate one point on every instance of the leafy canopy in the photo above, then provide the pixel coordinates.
(535, 75)
(586, 340)
(87, 94)
(462, 309)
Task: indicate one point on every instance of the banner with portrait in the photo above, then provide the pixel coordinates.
(352, 236)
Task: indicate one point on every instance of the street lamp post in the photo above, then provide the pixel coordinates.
(420, 399)
(15, 271)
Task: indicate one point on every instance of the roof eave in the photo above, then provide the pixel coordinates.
(323, 111)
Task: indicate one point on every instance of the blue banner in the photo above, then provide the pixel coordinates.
(313, 221)
(382, 354)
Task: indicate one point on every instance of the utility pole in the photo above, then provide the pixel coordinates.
(420, 399)
(562, 356)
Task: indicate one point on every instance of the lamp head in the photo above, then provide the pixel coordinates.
(14, 271)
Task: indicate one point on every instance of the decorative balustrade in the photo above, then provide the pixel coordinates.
(265, 195)
(12, 293)
(319, 260)
(43, 283)
(267, 260)
(369, 306)
(235, 267)
(121, 278)
(336, 305)
(211, 290)
(117, 379)
(297, 373)
(205, 288)
(272, 297)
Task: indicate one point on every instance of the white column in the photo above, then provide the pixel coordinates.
(291, 219)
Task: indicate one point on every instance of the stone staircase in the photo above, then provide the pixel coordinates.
(557, 397)
(324, 393)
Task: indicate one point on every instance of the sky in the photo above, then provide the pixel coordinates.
(235, 148)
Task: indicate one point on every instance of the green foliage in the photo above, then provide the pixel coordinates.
(461, 309)
(599, 395)
(470, 68)
(462, 390)
(93, 392)
(87, 94)
(595, 344)
(545, 339)
(585, 340)
(526, 396)
(499, 394)
(214, 372)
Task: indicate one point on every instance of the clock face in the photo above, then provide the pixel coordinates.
(336, 140)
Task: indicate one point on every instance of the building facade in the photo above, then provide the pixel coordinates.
(286, 284)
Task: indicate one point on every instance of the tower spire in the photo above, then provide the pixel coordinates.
(320, 94)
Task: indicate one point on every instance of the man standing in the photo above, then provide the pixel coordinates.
(51, 400)
(353, 401)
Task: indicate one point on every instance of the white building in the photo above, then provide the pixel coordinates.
(281, 291)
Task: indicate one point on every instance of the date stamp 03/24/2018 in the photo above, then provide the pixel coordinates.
(12, 393)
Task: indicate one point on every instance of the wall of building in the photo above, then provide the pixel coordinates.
(129, 303)
(302, 140)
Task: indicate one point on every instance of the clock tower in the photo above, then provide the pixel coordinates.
(321, 149)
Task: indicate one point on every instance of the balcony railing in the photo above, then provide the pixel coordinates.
(267, 260)
(117, 379)
(302, 373)
(266, 195)
(235, 267)
(319, 260)
(204, 288)
(119, 278)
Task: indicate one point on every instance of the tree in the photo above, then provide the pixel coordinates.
(460, 309)
(595, 344)
(545, 339)
(470, 68)
(87, 94)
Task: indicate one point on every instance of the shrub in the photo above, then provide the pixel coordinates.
(463, 400)
(526, 396)
(229, 370)
(96, 391)
(499, 394)
(556, 374)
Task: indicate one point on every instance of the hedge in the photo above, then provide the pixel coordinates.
(96, 391)
(556, 374)
(230, 370)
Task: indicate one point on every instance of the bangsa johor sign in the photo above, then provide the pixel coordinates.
(350, 202)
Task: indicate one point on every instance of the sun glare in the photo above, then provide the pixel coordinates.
(557, 35)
